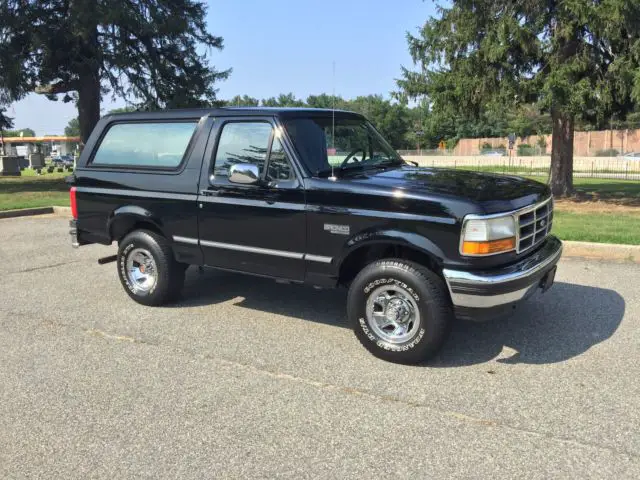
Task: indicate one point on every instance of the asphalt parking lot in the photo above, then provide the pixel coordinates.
(246, 378)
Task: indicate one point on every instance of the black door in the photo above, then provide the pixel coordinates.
(257, 228)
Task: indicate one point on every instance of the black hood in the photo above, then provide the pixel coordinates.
(494, 192)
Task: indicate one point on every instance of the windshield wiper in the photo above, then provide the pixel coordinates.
(359, 167)
(324, 171)
(392, 162)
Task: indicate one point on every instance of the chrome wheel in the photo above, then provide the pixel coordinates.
(392, 313)
(142, 273)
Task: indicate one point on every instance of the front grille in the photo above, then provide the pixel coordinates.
(534, 224)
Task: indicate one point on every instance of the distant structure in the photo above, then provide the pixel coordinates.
(48, 145)
(585, 144)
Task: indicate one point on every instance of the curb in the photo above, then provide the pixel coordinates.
(62, 211)
(604, 251)
(26, 212)
(29, 212)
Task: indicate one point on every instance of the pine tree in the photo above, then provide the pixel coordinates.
(151, 52)
(5, 124)
(576, 59)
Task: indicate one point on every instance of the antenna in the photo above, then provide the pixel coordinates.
(333, 116)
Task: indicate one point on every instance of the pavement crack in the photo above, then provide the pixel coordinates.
(417, 404)
(119, 338)
(353, 391)
(44, 267)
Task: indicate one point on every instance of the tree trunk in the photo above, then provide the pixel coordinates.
(561, 176)
(88, 104)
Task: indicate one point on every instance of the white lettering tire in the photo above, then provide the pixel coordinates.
(148, 270)
(400, 311)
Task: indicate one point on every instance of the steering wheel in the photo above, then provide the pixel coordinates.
(351, 156)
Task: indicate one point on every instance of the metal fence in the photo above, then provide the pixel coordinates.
(521, 151)
(435, 152)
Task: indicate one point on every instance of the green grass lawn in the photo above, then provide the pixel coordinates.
(598, 227)
(529, 170)
(50, 189)
(607, 190)
(31, 190)
(603, 227)
(625, 191)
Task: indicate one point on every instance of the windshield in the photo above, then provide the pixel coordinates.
(344, 144)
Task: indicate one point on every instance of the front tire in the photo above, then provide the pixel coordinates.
(148, 270)
(400, 311)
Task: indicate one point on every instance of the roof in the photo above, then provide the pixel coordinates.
(47, 138)
(283, 112)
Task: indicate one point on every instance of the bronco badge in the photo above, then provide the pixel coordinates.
(337, 229)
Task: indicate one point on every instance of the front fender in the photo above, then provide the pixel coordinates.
(124, 218)
(394, 237)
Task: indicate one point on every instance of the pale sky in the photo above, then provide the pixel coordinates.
(285, 46)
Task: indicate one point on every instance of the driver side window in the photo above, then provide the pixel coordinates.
(242, 142)
(279, 167)
(248, 142)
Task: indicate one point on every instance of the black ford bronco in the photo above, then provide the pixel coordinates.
(315, 197)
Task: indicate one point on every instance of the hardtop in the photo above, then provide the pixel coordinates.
(280, 112)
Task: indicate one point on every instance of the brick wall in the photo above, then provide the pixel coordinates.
(584, 143)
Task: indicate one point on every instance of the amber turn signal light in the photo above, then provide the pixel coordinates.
(486, 248)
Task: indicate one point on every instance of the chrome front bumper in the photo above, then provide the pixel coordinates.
(505, 286)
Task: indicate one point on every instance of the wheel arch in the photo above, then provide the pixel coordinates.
(128, 218)
(366, 248)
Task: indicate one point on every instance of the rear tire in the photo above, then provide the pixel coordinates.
(148, 270)
(400, 311)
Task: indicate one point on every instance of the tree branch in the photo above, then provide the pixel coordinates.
(59, 87)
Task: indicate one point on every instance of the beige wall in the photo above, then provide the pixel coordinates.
(584, 143)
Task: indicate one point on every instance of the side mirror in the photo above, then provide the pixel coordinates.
(244, 173)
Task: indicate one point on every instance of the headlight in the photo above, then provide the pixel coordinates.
(488, 236)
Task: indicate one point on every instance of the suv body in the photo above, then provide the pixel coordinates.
(315, 197)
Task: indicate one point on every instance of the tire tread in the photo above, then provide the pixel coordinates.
(165, 262)
(438, 301)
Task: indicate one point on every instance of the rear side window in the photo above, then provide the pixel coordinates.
(147, 145)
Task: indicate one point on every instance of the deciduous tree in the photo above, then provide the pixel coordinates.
(23, 132)
(283, 100)
(73, 128)
(242, 101)
(390, 118)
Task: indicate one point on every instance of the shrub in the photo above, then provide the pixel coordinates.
(526, 150)
(487, 147)
(542, 144)
(607, 152)
(451, 143)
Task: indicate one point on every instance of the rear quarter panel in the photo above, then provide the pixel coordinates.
(111, 199)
